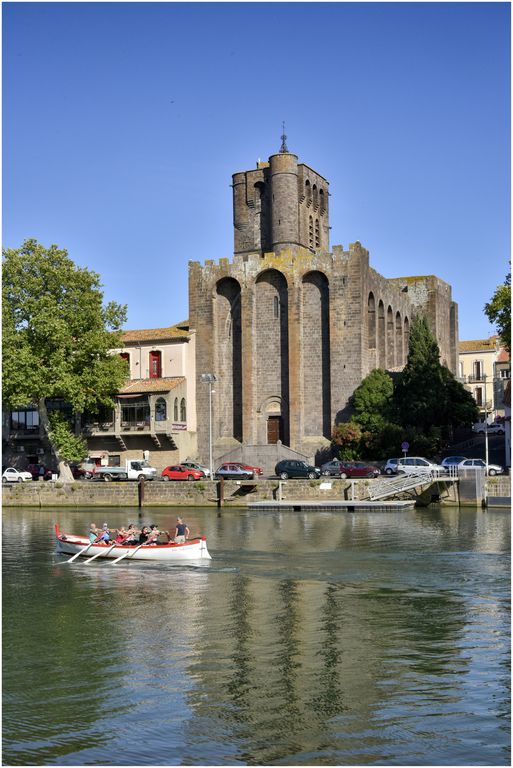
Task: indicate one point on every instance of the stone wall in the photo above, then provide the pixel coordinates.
(198, 494)
(292, 334)
(160, 494)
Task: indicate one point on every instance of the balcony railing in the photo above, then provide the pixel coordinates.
(115, 427)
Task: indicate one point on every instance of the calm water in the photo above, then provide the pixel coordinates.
(309, 639)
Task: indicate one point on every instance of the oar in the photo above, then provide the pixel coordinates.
(130, 552)
(81, 552)
(99, 554)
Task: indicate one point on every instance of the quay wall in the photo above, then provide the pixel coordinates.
(198, 494)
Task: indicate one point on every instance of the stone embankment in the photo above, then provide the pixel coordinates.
(198, 494)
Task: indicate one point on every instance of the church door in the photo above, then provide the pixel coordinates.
(274, 429)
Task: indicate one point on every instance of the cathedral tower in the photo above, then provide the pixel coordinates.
(280, 204)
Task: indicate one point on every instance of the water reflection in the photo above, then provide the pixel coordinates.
(308, 639)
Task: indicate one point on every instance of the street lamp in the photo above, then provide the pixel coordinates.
(486, 424)
(209, 378)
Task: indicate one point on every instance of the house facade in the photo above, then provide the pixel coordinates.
(485, 370)
(154, 414)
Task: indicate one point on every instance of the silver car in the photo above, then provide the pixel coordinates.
(195, 465)
(411, 464)
(476, 464)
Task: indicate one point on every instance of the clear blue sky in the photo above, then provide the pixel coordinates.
(123, 123)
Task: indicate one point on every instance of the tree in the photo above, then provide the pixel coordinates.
(372, 401)
(57, 337)
(420, 391)
(498, 311)
(347, 436)
(430, 402)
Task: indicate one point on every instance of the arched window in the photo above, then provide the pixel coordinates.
(310, 232)
(317, 234)
(308, 192)
(183, 410)
(399, 351)
(160, 409)
(381, 340)
(175, 410)
(371, 321)
(390, 339)
(322, 204)
(406, 339)
(315, 196)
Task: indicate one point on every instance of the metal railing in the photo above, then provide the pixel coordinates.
(405, 481)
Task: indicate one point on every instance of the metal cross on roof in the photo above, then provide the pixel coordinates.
(283, 147)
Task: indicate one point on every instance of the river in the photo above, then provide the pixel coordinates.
(308, 639)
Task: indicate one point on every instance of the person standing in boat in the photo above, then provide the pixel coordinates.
(181, 531)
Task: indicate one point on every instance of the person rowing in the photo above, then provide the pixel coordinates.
(132, 535)
(153, 537)
(99, 536)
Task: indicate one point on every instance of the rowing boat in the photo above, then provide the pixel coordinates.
(194, 549)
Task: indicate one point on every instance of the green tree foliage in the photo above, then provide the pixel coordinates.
(422, 407)
(420, 391)
(498, 311)
(71, 447)
(57, 334)
(372, 401)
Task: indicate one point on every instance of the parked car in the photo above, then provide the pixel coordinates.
(343, 469)
(230, 471)
(390, 467)
(411, 464)
(293, 468)
(195, 465)
(249, 468)
(492, 429)
(78, 472)
(475, 464)
(452, 461)
(12, 475)
(181, 472)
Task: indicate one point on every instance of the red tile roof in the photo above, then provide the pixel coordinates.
(152, 385)
(172, 332)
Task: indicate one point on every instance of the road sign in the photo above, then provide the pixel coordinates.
(405, 447)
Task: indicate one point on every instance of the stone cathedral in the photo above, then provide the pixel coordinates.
(290, 327)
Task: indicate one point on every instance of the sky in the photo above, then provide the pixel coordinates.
(124, 122)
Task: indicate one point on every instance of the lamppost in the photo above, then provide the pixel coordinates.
(485, 423)
(209, 378)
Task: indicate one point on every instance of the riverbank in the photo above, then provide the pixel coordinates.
(206, 493)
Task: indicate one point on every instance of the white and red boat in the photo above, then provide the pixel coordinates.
(80, 546)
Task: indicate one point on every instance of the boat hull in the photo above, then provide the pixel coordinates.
(195, 549)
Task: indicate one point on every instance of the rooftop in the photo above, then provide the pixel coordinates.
(479, 345)
(172, 332)
(152, 385)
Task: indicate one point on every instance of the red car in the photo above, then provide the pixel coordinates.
(249, 468)
(178, 472)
